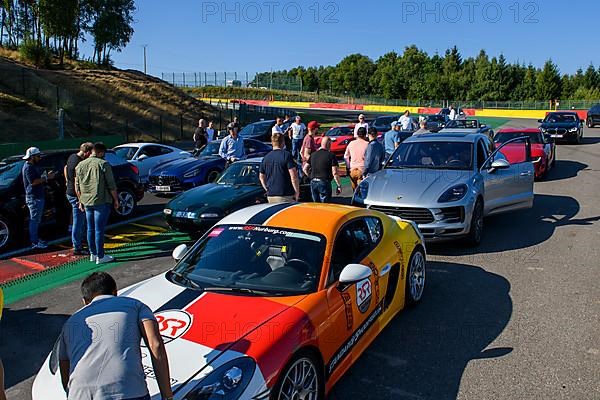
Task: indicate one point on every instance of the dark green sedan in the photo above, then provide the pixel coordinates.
(200, 208)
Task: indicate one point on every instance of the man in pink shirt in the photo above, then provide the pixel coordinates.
(355, 157)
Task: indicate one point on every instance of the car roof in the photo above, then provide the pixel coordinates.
(446, 137)
(518, 130)
(325, 218)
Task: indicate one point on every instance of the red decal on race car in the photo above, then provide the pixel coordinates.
(173, 324)
(216, 232)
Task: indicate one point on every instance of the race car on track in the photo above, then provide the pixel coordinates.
(340, 137)
(177, 176)
(563, 126)
(447, 184)
(270, 304)
(543, 148)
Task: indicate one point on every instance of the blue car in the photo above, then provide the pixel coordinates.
(177, 176)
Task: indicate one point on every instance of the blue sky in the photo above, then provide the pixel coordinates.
(250, 36)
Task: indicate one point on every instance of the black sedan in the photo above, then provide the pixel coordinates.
(563, 126)
(593, 116)
(13, 210)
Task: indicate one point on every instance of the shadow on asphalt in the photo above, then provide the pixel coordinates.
(424, 351)
(521, 229)
(564, 169)
(37, 332)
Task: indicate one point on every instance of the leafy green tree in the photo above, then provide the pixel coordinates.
(353, 75)
(548, 83)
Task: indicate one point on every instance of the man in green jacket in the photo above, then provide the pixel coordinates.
(96, 189)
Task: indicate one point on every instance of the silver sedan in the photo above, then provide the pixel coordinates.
(448, 183)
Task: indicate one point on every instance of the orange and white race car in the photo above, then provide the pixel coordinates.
(276, 301)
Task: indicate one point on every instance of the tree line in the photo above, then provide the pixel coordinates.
(416, 75)
(39, 27)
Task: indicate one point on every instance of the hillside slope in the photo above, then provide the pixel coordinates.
(96, 102)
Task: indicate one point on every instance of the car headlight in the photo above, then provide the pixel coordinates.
(361, 193)
(573, 129)
(168, 211)
(455, 193)
(544, 130)
(227, 382)
(192, 173)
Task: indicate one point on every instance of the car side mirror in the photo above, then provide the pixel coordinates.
(353, 273)
(179, 252)
(483, 125)
(142, 157)
(499, 164)
(541, 121)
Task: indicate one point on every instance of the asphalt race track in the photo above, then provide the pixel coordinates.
(517, 318)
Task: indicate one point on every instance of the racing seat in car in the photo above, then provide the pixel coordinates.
(277, 257)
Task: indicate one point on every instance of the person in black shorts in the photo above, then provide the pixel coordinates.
(322, 167)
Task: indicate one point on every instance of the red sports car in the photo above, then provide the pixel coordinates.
(543, 148)
(340, 137)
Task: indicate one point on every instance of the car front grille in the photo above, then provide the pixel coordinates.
(556, 131)
(164, 180)
(418, 215)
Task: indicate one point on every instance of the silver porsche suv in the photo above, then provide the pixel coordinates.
(448, 183)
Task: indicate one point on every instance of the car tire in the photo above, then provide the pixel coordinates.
(287, 387)
(590, 123)
(127, 203)
(212, 176)
(415, 278)
(7, 233)
(476, 233)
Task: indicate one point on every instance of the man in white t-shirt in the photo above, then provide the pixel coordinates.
(452, 115)
(298, 130)
(405, 121)
(277, 128)
(361, 124)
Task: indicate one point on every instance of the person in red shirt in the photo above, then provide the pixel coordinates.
(309, 145)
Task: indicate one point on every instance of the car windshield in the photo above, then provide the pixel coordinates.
(463, 124)
(535, 137)
(380, 121)
(9, 171)
(113, 159)
(433, 155)
(211, 149)
(558, 118)
(436, 118)
(126, 153)
(256, 129)
(241, 174)
(267, 260)
(342, 131)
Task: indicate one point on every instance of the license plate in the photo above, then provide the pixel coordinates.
(163, 188)
(557, 136)
(185, 214)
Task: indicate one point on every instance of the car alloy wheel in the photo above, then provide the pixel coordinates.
(476, 233)
(212, 176)
(4, 233)
(126, 203)
(301, 381)
(416, 277)
(590, 123)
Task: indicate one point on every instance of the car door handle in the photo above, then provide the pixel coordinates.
(528, 173)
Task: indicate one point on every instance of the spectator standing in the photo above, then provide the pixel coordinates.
(35, 193)
(355, 157)
(391, 139)
(452, 114)
(78, 227)
(298, 130)
(361, 124)
(2, 394)
(375, 154)
(287, 119)
(309, 145)
(232, 147)
(279, 174)
(405, 121)
(95, 186)
(278, 127)
(200, 135)
(422, 128)
(211, 132)
(108, 365)
(322, 167)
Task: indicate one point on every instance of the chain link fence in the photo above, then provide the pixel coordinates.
(232, 79)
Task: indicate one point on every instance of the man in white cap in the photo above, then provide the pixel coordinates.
(35, 194)
(361, 124)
